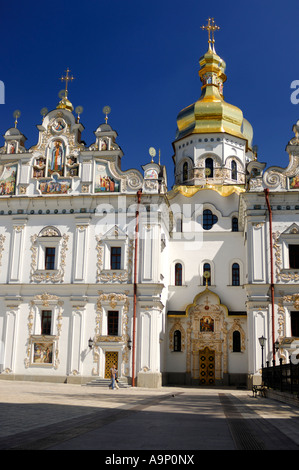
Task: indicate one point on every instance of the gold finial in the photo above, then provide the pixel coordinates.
(152, 152)
(78, 110)
(211, 27)
(16, 115)
(159, 157)
(66, 79)
(106, 110)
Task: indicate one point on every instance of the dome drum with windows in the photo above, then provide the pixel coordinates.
(210, 113)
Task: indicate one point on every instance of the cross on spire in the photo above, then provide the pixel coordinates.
(66, 79)
(211, 27)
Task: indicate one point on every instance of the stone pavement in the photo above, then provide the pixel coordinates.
(40, 416)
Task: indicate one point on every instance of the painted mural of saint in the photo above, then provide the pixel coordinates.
(57, 157)
(294, 182)
(104, 180)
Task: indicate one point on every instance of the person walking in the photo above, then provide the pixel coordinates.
(113, 373)
(116, 380)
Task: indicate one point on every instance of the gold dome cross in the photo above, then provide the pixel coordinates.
(211, 27)
(67, 79)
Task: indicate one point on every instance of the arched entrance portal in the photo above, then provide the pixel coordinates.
(207, 355)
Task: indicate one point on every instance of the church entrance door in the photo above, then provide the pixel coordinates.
(111, 357)
(206, 366)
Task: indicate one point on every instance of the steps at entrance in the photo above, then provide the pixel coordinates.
(105, 383)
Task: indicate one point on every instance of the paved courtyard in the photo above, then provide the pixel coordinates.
(40, 416)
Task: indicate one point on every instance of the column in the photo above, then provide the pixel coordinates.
(149, 339)
(16, 251)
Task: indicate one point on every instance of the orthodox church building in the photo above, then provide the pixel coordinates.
(100, 266)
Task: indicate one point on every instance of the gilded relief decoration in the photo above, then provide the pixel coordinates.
(290, 299)
(43, 350)
(113, 301)
(2, 240)
(43, 275)
(108, 275)
(282, 276)
(207, 328)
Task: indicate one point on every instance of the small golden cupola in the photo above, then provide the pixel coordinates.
(210, 113)
(65, 103)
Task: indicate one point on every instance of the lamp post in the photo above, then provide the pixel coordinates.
(262, 341)
(90, 343)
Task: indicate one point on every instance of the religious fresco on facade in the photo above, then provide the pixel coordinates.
(151, 174)
(294, 182)
(56, 157)
(104, 144)
(207, 324)
(11, 148)
(43, 353)
(8, 175)
(59, 125)
(39, 168)
(55, 186)
(104, 181)
(72, 167)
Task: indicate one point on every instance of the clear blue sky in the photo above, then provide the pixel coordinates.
(141, 59)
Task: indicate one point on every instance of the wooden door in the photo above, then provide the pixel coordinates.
(111, 357)
(206, 366)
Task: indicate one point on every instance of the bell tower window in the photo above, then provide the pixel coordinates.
(185, 171)
(209, 167)
(234, 175)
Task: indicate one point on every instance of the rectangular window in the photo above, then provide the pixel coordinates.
(46, 322)
(115, 257)
(295, 324)
(112, 329)
(50, 258)
(294, 256)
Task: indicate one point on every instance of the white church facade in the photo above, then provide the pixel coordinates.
(173, 285)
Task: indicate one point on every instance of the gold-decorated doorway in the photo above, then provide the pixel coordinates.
(111, 357)
(206, 366)
(207, 353)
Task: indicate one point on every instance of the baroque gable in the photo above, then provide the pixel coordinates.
(61, 163)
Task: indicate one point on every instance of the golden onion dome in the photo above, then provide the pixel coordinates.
(65, 104)
(210, 113)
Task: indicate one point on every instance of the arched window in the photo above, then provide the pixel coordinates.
(178, 270)
(209, 168)
(207, 270)
(177, 340)
(235, 224)
(209, 219)
(185, 172)
(236, 341)
(234, 173)
(235, 274)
